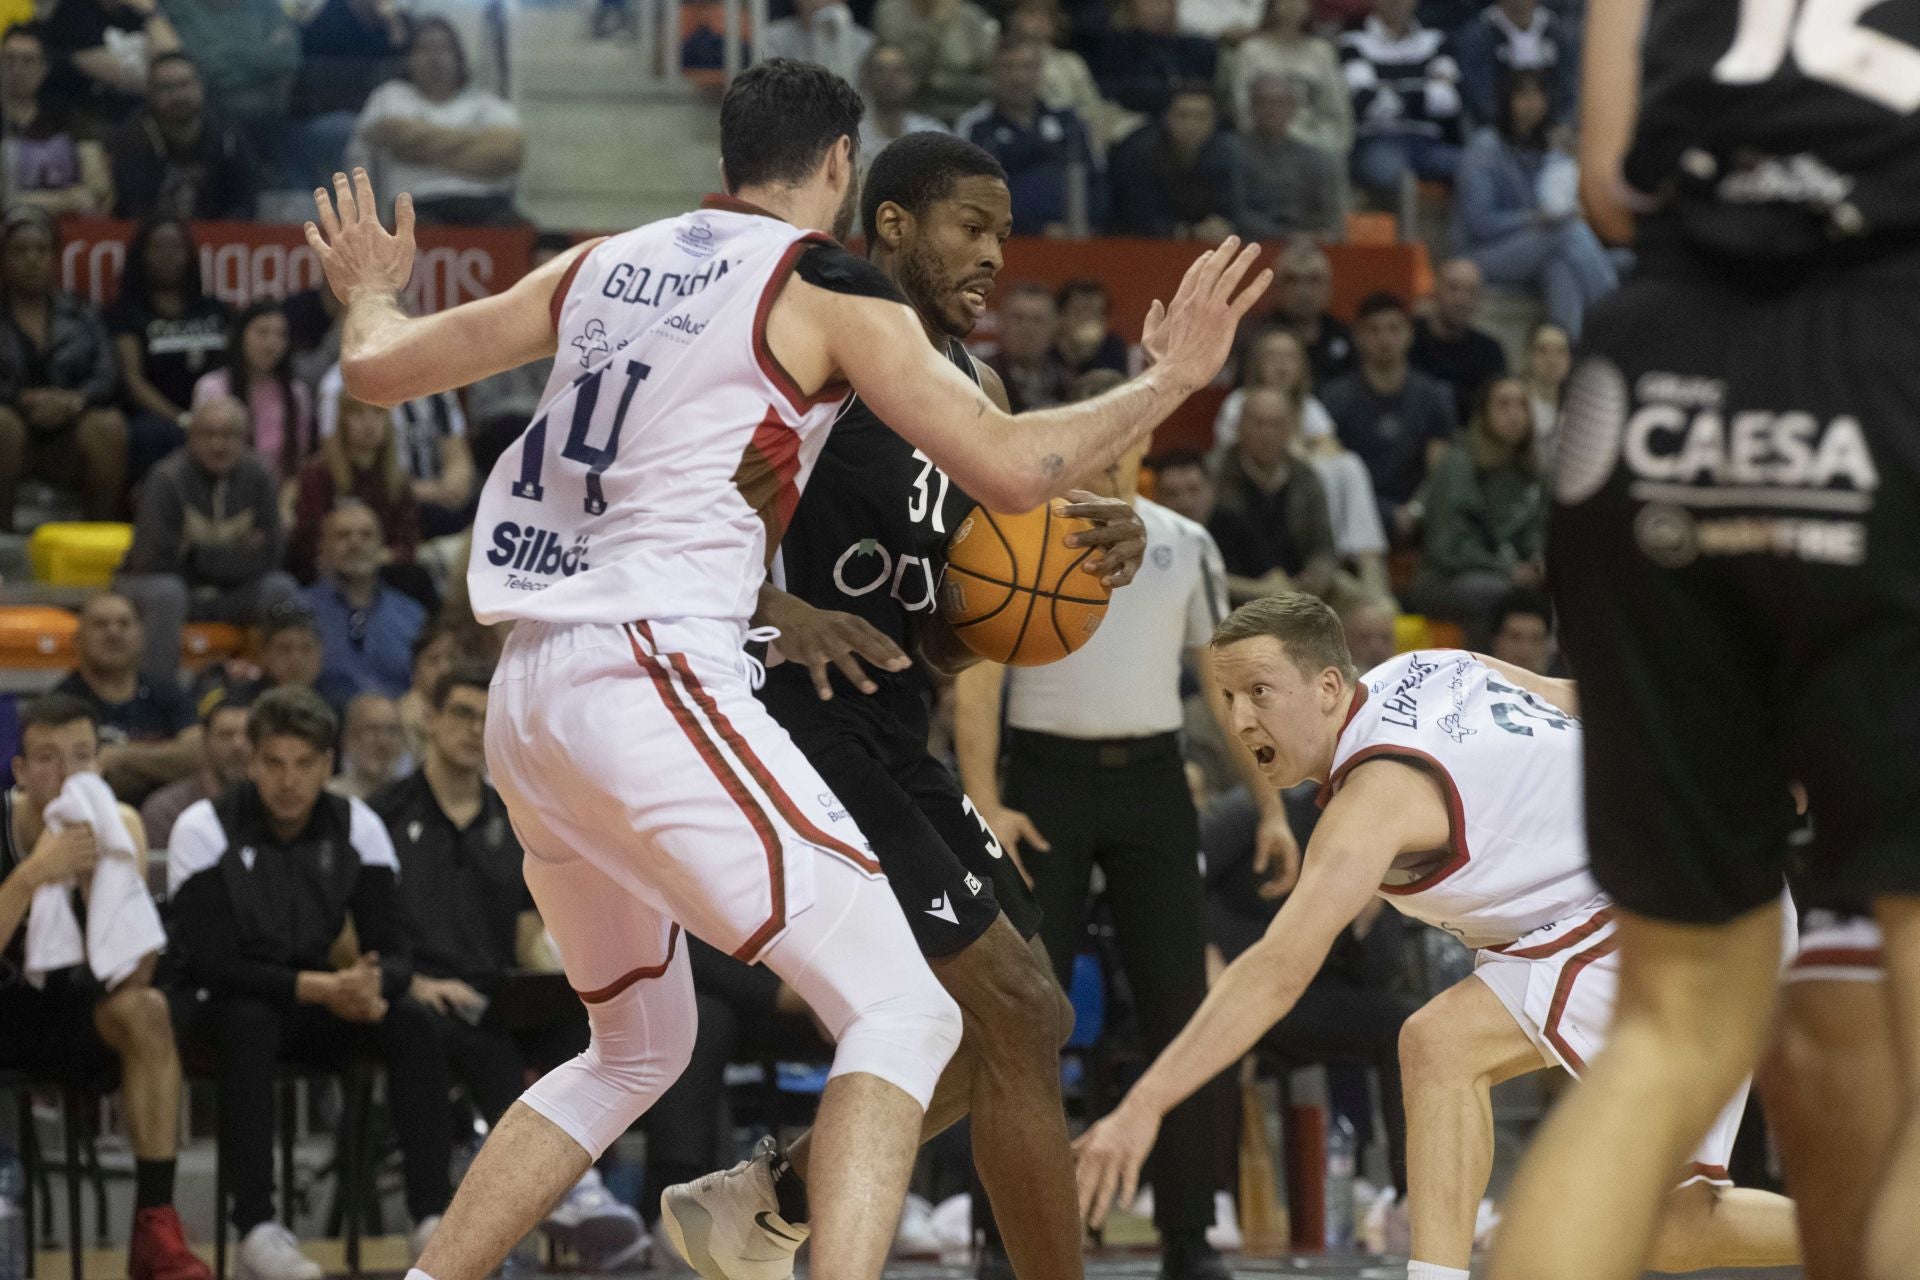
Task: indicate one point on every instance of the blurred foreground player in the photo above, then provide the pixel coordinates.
(855, 577)
(1735, 548)
(1834, 1041)
(650, 788)
(1451, 787)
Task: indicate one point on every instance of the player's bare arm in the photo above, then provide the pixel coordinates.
(388, 357)
(1609, 103)
(1564, 695)
(881, 348)
(1384, 809)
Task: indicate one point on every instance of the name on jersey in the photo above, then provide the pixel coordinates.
(867, 565)
(1400, 708)
(531, 549)
(645, 287)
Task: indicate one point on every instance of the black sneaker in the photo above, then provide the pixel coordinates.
(994, 1263)
(1192, 1258)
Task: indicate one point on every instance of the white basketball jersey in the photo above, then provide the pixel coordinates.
(669, 448)
(1510, 766)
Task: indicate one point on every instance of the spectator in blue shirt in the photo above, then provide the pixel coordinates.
(367, 629)
(1140, 65)
(1036, 145)
(1174, 177)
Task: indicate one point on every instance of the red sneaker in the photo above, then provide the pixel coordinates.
(158, 1250)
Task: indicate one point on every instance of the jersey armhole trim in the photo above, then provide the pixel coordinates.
(560, 290)
(1456, 811)
(835, 388)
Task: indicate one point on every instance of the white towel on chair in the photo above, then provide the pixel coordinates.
(123, 928)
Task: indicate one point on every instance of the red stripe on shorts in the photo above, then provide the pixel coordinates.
(781, 800)
(1563, 990)
(1572, 937)
(1711, 1172)
(735, 789)
(600, 995)
(1839, 958)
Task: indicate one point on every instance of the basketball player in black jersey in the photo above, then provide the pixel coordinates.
(855, 580)
(1736, 555)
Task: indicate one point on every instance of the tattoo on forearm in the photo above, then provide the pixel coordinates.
(1053, 466)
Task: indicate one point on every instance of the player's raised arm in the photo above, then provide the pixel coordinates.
(1385, 808)
(1609, 101)
(387, 356)
(883, 351)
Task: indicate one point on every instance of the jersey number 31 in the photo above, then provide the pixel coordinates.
(597, 458)
(1829, 44)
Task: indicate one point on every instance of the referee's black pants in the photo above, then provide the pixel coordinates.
(1124, 806)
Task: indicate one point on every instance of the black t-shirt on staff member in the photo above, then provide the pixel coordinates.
(157, 711)
(461, 887)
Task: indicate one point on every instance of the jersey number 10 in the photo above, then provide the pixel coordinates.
(586, 399)
(1829, 44)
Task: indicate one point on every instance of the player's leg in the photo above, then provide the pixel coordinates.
(1452, 1052)
(1833, 1042)
(1893, 1229)
(643, 1020)
(1694, 1011)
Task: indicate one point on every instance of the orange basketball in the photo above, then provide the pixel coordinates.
(1014, 590)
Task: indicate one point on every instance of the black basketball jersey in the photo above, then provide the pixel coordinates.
(1782, 128)
(869, 536)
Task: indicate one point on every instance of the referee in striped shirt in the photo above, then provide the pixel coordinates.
(1092, 772)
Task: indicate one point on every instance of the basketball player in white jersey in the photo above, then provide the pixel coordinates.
(699, 362)
(1451, 787)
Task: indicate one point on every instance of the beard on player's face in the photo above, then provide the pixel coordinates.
(931, 289)
(848, 211)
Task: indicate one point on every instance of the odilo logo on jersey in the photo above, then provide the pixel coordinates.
(866, 566)
(531, 549)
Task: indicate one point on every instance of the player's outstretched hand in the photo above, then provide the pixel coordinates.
(820, 638)
(1276, 854)
(1117, 532)
(1108, 1159)
(1205, 313)
(357, 253)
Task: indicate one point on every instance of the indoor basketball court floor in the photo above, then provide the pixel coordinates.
(1147, 1267)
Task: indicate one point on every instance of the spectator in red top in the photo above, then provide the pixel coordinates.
(359, 460)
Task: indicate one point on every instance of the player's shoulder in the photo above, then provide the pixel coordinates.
(830, 267)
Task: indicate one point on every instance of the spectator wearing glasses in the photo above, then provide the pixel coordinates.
(474, 922)
(45, 162)
(1302, 290)
(367, 628)
(373, 747)
(176, 158)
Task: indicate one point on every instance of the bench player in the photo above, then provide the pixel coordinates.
(1735, 551)
(855, 576)
(1451, 787)
(699, 362)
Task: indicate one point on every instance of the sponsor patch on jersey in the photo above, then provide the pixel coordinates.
(530, 549)
(696, 238)
(1163, 557)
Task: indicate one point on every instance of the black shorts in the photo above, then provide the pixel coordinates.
(49, 1033)
(950, 875)
(1735, 554)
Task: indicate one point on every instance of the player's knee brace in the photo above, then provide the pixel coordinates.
(904, 1035)
(642, 1039)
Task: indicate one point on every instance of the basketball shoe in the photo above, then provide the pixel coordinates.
(728, 1225)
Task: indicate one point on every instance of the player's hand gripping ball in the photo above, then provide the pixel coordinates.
(1013, 589)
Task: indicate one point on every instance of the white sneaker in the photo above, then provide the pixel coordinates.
(417, 1238)
(270, 1252)
(1224, 1234)
(602, 1231)
(728, 1225)
(916, 1237)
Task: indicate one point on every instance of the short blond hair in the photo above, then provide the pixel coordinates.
(1307, 628)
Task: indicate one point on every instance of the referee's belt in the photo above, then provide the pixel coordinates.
(1097, 753)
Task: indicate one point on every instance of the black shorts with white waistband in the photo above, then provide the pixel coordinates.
(1735, 555)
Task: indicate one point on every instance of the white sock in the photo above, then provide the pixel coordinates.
(416, 1273)
(1415, 1271)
